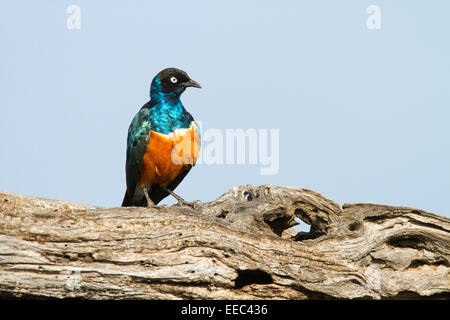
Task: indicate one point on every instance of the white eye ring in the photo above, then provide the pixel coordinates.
(173, 79)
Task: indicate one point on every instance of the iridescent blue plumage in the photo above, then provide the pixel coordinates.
(167, 113)
(164, 113)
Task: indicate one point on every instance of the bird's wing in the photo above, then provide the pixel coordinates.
(138, 138)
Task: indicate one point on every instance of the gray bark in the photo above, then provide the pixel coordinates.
(240, 246)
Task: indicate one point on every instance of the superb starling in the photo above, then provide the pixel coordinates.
(163, 142)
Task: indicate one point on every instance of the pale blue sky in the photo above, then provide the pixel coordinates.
(363, 114)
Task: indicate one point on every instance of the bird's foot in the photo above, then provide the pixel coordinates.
(181, 201)
(150, 203)
(191, 204)
(156, 206)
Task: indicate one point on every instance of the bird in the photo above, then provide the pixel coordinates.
(163, 142)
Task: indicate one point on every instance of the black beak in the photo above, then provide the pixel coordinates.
(191, 83)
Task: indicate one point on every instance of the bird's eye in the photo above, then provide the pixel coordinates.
(173, 79)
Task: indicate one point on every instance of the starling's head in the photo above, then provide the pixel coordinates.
(172, 81)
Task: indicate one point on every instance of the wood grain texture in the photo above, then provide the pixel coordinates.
(240, 246)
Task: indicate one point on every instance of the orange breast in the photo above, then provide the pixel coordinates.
(167, 155)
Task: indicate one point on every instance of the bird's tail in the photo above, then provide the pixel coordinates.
(127, 200)
(130, 200)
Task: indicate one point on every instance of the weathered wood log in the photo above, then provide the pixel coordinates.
(240, 246)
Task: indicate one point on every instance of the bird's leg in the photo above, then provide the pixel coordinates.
(181, 201)
(149, 201)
